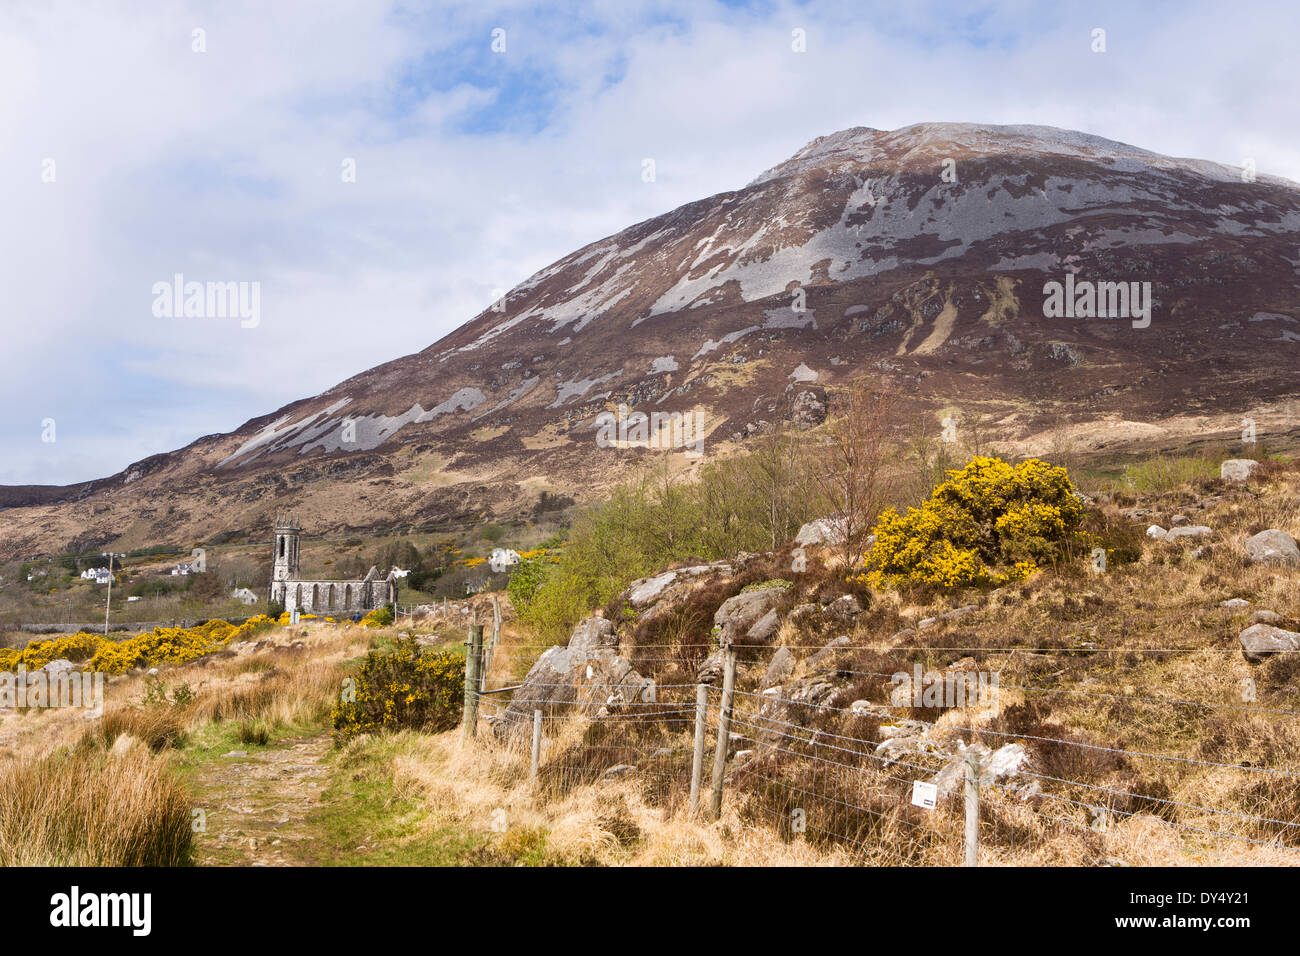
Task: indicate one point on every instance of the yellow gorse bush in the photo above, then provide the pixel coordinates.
(552, 553)
(379, 617)
(989, 523)
(162, 645)
(408, 687)
(287, 618)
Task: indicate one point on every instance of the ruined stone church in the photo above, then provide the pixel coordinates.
(322, 597)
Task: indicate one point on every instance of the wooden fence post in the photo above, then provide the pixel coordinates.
(473, 657)
(697, 765)
(492, 641)
(972, 808)
(537, 742)
(724, 730)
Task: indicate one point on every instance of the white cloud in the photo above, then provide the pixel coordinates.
(225, 165)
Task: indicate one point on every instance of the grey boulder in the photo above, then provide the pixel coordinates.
(739, 614)
(779, 669)
(1261, 640)
(1273, 547)
(1188, 531)
(953, 615)
(821, 531)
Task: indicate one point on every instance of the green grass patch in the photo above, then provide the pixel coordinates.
(364, 821)
(1164, 473)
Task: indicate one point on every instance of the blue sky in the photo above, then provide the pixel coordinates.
(476, 168)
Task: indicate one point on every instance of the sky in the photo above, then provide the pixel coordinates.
(383, 170)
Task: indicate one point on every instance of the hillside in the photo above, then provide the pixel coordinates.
(919, 254)
(1135, 727)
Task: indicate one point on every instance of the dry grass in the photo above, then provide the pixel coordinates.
(101, 793)
(156, 727)
(1094, 670)
(1085, 661)
(295, 695)
(92, 809)
(478, 785)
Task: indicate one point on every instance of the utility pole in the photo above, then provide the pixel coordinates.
(108, 604)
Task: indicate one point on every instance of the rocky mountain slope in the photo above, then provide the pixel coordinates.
(920, 254)
(1130, 715)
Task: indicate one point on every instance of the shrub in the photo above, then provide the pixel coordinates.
(1164, 473)
(990, 522)
(38, 653)
(162, 645)
(423, 580)
(405, 688)
(171, 645)
(748, 502)
(527, 578)
(379, 617)
(770, 583)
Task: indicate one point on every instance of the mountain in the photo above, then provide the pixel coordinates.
(921, 254)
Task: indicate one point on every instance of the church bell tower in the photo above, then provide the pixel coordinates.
(284, 565)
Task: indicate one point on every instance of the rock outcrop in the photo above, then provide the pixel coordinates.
(1188, 531)
(646, 591)
(747, 618)
(587, 677)
(741, 615)
(1237, 469)
(954, 615)
(824, 531)
(996, 766)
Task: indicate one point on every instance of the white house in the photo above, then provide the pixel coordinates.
(181, 570)
(503, 559)
(244, 596)
(90, 574)
(399, 573)
(103, 577)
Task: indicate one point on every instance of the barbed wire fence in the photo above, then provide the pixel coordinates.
(850, 779)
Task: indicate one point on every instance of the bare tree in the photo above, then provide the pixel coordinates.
(853, 472)
(978, 429)
(774, 477)
(928, 455)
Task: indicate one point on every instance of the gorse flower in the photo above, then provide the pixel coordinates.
(162, 645)
(989, 523)
(408, 687)
(379, 617)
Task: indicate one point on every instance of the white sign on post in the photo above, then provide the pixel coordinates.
(924, 794)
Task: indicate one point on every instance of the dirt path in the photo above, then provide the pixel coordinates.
(257, 806)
